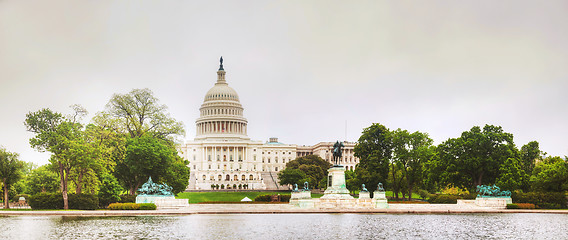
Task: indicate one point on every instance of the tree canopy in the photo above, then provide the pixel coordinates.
(311, 169)
(374, 150)
(138, 113)
(11, 169)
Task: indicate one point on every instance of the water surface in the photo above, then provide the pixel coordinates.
(291, 226)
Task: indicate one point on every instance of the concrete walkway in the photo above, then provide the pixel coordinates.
(280, 209)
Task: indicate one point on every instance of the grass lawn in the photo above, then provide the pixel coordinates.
(200, 197)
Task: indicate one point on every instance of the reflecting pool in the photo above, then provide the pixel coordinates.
(291, 226)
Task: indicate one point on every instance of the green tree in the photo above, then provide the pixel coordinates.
(60, 136)
(550, 175)
(511, 175)
(291, 176)
(147, 156)
(313, 167)
(110, 190)
(411, 152)
(138, 113)
(11, 170)
(374, 150)
(42, 180)
(476, 156)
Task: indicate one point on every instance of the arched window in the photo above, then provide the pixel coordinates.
(220, 177)
(227, 178)
(243, 177)
(251, 177)
(236, 178)
(276, 159)
(204, 177)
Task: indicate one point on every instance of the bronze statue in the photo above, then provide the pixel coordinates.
(380, 187)
(363, 188)
(306, 186)
(151, 188)
(337, 153)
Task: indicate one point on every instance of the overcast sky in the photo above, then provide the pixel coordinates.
(305, 71)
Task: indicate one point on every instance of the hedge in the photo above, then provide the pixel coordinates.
(127, 198)
(521, 206)
(132, 206)
(550, 200)
(443, 198)
(55, 201)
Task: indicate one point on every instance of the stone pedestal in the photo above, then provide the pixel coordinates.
(364, 195)
(493, 202)
(336, 184)
(380, 200)
(302, 199)
(162, 201)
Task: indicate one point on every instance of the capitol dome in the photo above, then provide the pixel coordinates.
(221, 114)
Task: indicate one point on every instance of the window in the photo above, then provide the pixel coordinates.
(218, 158)
(209, 166)
(254, 157)
(204, 177)
(276, 169)
(236, 178)
(194, 167)
(250, 177)
(276, 159)
(231, 158)
(193, 157)
(268, 160)
(243, 177)
(209, 157)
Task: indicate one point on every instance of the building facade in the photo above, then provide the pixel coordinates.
(222, 154)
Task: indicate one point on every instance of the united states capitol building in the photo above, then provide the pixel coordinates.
(222, 154)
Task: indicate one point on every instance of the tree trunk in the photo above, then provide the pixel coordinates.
(63, 186)
(6, 202)
(410, 193)
(478, 180)
(79, 182)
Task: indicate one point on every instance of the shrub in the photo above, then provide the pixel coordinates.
(147, 206)
(285, 198)
(526, 205)
(550, 200)
(443, 198)
(512, 206)
(83, 201)
(46, 201)
(17, 197)
(127, 198)
(132, 206)
(262, 198)
(423, 193)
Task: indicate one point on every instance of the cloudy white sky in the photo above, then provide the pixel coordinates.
(305, 71)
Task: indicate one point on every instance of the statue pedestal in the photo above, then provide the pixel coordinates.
(493, 202)
(364, 195)
(302, 199)
(364, 200)
(336, 195)
(336, 184)
(380, 200)
(162, 201)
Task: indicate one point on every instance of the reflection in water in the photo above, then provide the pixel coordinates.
(290, 226)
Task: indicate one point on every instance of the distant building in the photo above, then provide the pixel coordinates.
(222, 153)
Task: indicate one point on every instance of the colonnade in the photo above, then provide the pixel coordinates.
(222, 127)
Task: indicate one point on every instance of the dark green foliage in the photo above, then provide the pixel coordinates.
(127, 198)
(442, 198)
(46, 201)
(311, 169)
(374, 149)
(550, 175)
(147, 206)
(423, 193)
(83, 201)
(109, 191)
(550, 200)
(42, 179)
(262, 198)
(17, 197)
(147, 156)
(55, 201)
(285, 198)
